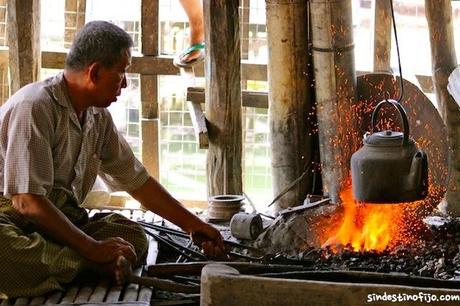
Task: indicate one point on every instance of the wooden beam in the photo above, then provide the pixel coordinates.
(150, 155)
(150, 29)
(443, 62)
(382, 35)
(74, 17)
(149, 97)
(199, 124)
(159, 65)
(23, 42)
(257, 99)
(223, 97)
(335, 79)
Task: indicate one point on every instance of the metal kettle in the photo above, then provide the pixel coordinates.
(389, 168)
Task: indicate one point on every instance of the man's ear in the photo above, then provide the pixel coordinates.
(94, 72)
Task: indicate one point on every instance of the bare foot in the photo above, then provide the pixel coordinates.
(123, 270)
(119, 269)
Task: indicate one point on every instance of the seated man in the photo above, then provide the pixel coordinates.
(56, 137)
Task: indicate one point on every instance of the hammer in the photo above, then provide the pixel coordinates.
(162, 284)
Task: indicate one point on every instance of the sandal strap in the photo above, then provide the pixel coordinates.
(194, 47)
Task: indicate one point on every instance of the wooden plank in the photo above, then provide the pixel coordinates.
(145, 294)
(70, 295)
(39, 300)
(83, 294)
(195, 111)
(131, 291)
(99, 292)
(113, 294)
(382, 35)
(223, 96)
(6, 303)
(150, 154)
(21, 301)
(24, 42)
(149, 26)
(54, 297)
(199, 124)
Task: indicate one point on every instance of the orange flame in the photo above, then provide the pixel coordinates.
(367, 227)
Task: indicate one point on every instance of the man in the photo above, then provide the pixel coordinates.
(56, 136)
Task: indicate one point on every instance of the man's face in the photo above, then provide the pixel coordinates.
(111, 81)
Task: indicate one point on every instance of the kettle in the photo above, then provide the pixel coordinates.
(389, 168)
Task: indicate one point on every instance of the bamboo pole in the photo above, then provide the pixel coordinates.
(223, 97)
(443, 61)
(333, 59)
(290, 97)
(382, 35)
(24, 42)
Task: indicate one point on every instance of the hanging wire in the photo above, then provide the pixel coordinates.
(401, 85)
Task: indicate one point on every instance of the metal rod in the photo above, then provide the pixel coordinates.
(185, 248)
(185, 235)
(189, 244)
(161, 239)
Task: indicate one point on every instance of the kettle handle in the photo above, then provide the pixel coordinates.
(402, 113)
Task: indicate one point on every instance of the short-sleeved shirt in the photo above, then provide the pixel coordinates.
(43, 146)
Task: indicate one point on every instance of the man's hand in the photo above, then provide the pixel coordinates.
(209, 239)
(109, 250)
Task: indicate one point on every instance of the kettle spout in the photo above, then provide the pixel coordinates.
(417, 170)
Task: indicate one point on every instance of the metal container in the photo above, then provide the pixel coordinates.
(246, 226)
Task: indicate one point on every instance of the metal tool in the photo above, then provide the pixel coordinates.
(305, 206)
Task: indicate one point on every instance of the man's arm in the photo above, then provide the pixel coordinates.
(51, 220)
(156, 198)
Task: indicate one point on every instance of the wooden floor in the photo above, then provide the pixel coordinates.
(102, 293)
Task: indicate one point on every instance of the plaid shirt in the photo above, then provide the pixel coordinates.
(43, 146)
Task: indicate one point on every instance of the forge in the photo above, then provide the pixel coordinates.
(359, 247)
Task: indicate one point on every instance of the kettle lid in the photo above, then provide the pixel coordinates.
(384, 138)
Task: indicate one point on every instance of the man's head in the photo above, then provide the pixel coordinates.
(95, 67)
(98, 41)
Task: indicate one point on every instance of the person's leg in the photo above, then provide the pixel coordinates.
(30, 265)
(194, 11)
(108, 225)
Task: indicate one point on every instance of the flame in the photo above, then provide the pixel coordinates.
(367, 227)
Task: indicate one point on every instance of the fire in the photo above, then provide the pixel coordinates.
(367, 227)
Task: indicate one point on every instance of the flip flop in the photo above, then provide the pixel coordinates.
(180, 60)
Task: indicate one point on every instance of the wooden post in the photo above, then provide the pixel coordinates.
(443, 61)
(334, 65)
(289, 97)
(24, 42)
(223, 97)
(149, 89)
(74, 16)
(382, 35)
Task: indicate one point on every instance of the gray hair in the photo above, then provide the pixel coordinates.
(97, 41)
